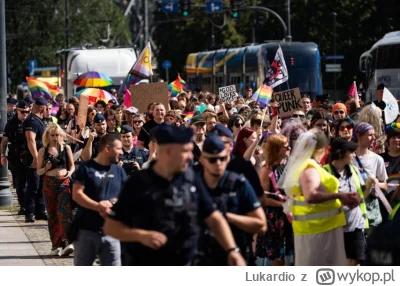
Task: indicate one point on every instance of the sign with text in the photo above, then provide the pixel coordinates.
(82, 111)
(143, 94)
(289, 101)
(227, 93)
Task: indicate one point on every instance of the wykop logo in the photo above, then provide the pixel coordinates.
(325, 276)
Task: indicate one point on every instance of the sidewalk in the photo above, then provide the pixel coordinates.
(15, 247)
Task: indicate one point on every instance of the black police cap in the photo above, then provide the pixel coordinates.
(11, 100)
(213, 145)
(22, 104)
(126, 129)
(221, 130)
(98, 118)
(168, 134)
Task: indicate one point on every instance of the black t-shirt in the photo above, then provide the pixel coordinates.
(145, 132)
(245, 168)
(95, 146)
(392, 164)
(136, 208)
(34, 124)
(90, 175)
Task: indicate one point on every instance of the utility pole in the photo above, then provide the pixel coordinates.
(146, 22)
(66, 24)
(5, 194)
(253, 27)
(289, 29)
(334, 50)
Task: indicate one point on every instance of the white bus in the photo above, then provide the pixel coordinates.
(381, 64)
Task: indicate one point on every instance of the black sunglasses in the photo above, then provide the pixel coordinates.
(298, 116)
(214, 159)
(24, 111)
(137, 121)
(239, 124)
(339, 112)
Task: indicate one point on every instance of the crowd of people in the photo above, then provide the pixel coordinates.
(206, 182)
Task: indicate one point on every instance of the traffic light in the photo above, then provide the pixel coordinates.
(235, 5)
(185, 7)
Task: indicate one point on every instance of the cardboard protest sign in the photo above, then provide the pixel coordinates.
(143, 94)
(289, 100)
(227, 93)
(82, 111)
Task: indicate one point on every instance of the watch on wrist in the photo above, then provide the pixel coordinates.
(234, 249)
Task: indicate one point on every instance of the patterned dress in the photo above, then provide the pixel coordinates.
(277, 241)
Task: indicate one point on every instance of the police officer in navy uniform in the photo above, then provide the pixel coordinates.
(33, 128)
(234, 197)
(14, 138)
(156, 216)
(133, 158)
(91, 144)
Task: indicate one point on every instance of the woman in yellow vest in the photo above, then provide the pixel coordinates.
(350, 181)
(315, 204)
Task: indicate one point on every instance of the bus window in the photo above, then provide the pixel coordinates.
(387, 58)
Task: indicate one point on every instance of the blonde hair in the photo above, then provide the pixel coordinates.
(372, 115)
(46, 135)
(272, 148)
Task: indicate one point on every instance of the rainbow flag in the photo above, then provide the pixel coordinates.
(175, 87)
(189, 116)
(263, 95)
(40, 88)
(141, 69)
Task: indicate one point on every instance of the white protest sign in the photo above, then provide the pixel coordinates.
(227, 93)
(289, 101)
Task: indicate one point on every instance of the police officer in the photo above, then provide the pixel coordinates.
(11, 102)
(14, 137)
(91, 145)
(33, 129)
(133, 158)
(234, 197)
(158, 222)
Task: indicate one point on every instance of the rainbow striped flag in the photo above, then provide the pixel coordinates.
(175, 87)
(40, 88)
(189, 116)
(263, 95)
(141, 69)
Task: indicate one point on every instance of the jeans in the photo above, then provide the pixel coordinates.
(89, 244)
(34, 202)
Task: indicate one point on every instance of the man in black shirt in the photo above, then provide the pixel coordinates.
(156, 216)
(33, 128)
(97, 184)
(91, 144)
(144, 135)
(14, 137)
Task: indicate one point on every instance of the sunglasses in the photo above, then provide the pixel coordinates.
(339, 112)
(137, 121)
(55, 135)
(24, 111)
(298, 116)
(348, 127)
(238, 125)
(215, 159)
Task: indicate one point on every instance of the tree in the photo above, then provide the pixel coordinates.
(36, 30)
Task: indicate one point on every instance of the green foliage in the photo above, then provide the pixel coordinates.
(36, 30)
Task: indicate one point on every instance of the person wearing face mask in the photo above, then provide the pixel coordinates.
(339, 111)
(91, 144)
(158, 118)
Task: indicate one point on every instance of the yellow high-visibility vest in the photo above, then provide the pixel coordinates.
(393, 212)
(320, 217)
(357, 182)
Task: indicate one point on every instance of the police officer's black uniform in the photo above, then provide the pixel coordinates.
(170, 207)
(34, 202)
(14, 132)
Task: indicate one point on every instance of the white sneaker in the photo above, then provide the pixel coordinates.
(68, 250)
(56, 251)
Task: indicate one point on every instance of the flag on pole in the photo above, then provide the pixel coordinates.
(175, 87)
(353, 90)
(127, 98)
(141, 69)
(263, 95)
(40, 88)
(277, 73)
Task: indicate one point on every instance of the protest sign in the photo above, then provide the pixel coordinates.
(289, 100)
(82, 111)
(227, 93)
(143, 94)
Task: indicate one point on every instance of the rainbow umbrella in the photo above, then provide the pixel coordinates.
(95, 94)
(93, 79)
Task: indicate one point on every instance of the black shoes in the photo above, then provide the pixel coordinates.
(21, 211)
(29, 219)
(42, 216)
